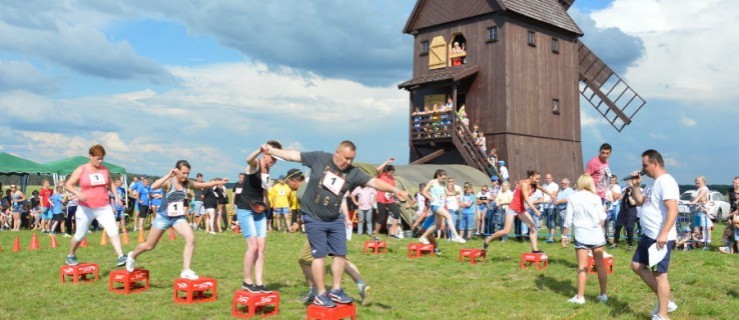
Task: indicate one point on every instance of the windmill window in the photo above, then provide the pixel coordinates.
(531, 38)
(458, 50)
(492, 34)
(424, 48)
(555, 106)
(555, 45)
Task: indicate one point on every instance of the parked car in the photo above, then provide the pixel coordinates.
(718, 207)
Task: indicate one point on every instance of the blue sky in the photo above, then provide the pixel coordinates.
(157, 81)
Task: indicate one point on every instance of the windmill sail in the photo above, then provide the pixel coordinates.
(616, 101)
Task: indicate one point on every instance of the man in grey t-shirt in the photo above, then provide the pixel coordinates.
(332, 175)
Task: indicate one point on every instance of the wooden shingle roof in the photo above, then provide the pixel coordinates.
(427, 13)
(548, 11)
(442, 75)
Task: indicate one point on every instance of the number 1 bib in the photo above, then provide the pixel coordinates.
(96, 179)
(175, 209)
(333, 183)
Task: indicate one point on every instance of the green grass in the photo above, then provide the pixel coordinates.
(704, 283)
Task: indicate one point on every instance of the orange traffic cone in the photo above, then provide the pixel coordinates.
(83, 243)
(141, 239)
(103, 239)
(53, 242)
(34, 242)
(172, 236)
(126, 240)
(17, 244)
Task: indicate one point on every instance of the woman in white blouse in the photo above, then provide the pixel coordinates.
(584, 216)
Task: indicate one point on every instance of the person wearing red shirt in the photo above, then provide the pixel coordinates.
(386, 202)
(524, 190)
(46, 215)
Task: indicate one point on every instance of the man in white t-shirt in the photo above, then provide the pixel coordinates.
(658, 207)
(549, 198)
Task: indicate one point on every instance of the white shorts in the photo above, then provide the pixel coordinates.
(104, 216)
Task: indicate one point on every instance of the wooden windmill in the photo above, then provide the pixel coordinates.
(517, 68)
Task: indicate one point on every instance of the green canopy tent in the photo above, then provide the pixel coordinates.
(12, 165)
(65, 167)
(409, 177)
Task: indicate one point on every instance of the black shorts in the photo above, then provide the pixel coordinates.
(143, 211)
(641, 255)
(59, 217)
(383, 210)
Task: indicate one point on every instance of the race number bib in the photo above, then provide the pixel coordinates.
(388, 195)
(175, 209)
(96, 179)
(333, 183)
(238, 191)
(281, 192)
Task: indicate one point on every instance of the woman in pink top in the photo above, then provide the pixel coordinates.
(94, 184)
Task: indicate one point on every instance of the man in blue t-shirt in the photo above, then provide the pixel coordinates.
(332, 176)
(142, 199)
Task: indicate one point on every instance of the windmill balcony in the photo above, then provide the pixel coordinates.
(432, 125)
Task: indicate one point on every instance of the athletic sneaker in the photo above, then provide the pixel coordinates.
(550, 240)
(66, 235)
(458, 239)
(656, 317)
(394, 236)
(339, 296)
(602, 298)
(130, 263)
(671, 306)
(324, 301)
(364, 293)
(437, 252)
(424, 240)
(263, 289)
(613, 246)
(537, 251)
(485, 245)
(307, 298)
(577, 300)
(249, 287)
(121, 261)
(72, 260)
(188, 274)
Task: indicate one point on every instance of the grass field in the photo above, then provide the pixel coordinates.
(705, 284)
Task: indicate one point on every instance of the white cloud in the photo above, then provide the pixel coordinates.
(22, 75)
(689, 51)
(687, 121)
(216, 115)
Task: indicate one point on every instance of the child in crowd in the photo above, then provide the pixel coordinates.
(467, 221)
(55, 201)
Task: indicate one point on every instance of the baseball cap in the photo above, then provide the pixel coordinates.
(501, 162)
(494, 178)
(293, 173)
(281, 177)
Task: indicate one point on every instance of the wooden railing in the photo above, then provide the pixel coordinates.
(445, 125)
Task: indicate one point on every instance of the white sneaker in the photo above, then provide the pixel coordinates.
(602, 298)
(424, 240)
(656, 317)
(577, 300)
(188, 274)
(130, 263)
(459, 239)
(671, 306)
(135, 229)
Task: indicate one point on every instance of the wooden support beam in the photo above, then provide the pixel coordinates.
(429, 157)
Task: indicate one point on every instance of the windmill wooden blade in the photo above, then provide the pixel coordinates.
(606, 91)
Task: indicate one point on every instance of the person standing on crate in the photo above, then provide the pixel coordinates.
(332, 175)
(171, 214)
(698, 208)
(658, 207)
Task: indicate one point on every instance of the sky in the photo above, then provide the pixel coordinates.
(209, 81)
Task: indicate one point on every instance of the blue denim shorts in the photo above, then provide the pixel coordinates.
(579, 245)
(252, 225)
(164, 222)
(428, 222)
(282, 211)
